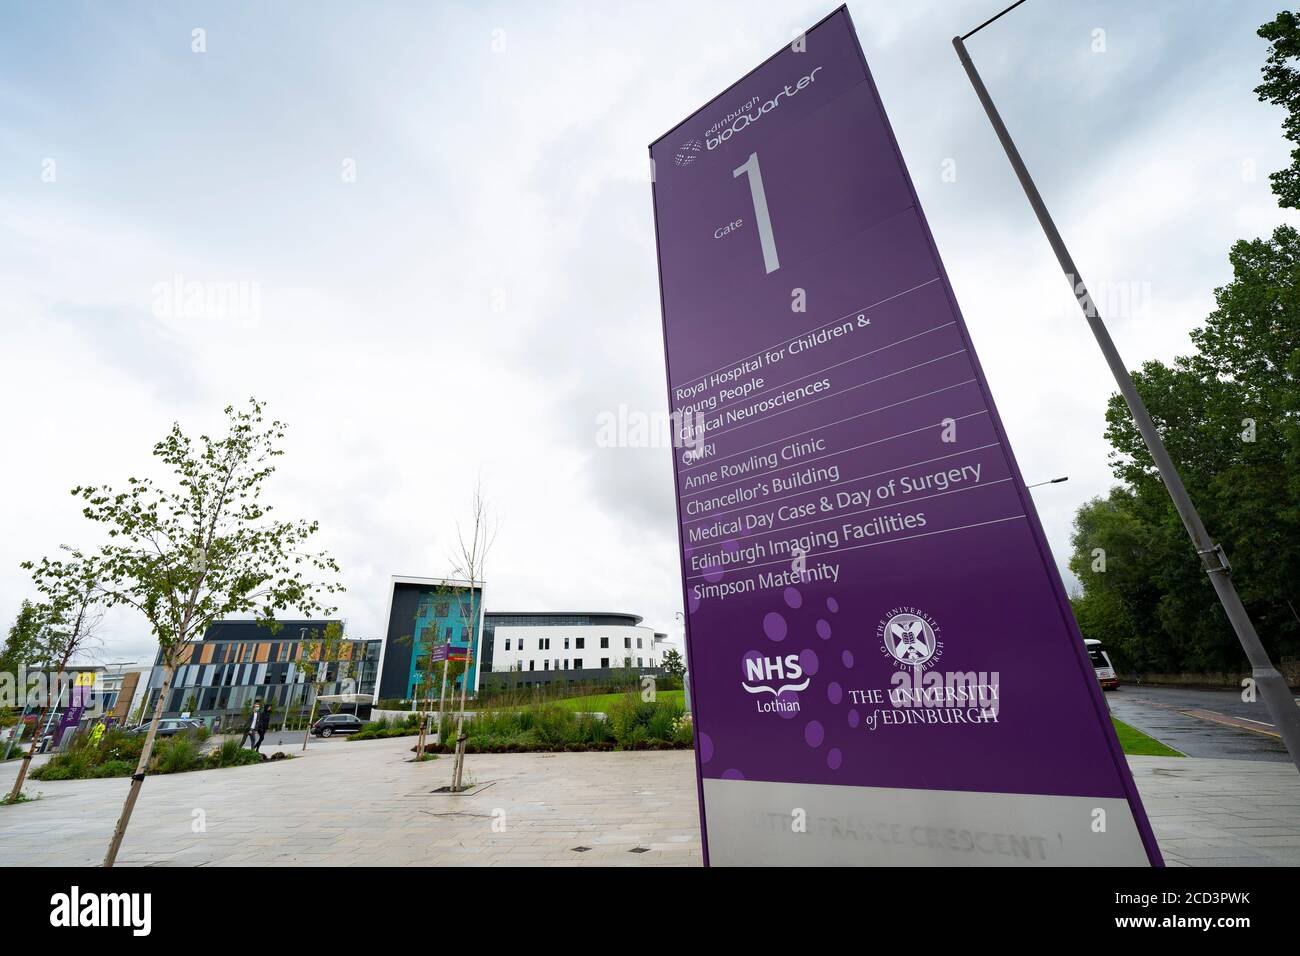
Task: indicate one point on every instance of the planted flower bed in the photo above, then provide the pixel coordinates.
(118, 753)
(629, 724)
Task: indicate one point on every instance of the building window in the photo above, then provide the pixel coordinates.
(580, 643)
(638, 643)
(507, 643)
(627, 642)
(532, 665)
(546, 665)
(604, 662)
(566, 643)
(577, 663)
(521, 643)
(566, 663)
(604, 642)
(639, 663)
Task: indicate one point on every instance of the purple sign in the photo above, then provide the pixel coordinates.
(439, 653)
(69, 720)
(77, 699)
(884, 666)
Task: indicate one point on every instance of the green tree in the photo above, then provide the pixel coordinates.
(24, 639)
(673, 662)
(20, 651)
(204, 547)
(1230, 415)
(62, 625)
(1281, 87)
(1115, 553)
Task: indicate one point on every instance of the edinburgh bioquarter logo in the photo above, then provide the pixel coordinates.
(741, 118)
(688, 152)
(910, 638)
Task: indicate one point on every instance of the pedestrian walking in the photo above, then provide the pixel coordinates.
(257, 724)
(262, 721)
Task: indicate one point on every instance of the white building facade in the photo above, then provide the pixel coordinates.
(571, 642)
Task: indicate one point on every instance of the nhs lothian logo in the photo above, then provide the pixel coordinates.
(910, 637)
(774, 675)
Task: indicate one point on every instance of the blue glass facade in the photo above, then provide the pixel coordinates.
(423, 616)
(444, 618)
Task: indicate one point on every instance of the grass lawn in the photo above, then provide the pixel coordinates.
(602, 702)
(593, 703)
(1138, 744)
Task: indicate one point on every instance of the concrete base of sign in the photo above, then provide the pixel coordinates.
(759, 823)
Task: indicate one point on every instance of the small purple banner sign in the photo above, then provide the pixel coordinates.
(78, 697)
(884, 666)
(439, 653)
(69, 720)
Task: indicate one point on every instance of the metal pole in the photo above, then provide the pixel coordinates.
(442, 697)
(58, 702)
(22, 719)
(1273, 689)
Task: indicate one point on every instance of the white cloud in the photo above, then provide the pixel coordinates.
(488, 284)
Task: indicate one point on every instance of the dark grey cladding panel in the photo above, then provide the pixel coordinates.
(397, 654)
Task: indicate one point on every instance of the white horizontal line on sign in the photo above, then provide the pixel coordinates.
(803, 462)
(873, 544)
(874, 474)
(816, 428)
(855, 358)
(843, 391)
(842, 318)
(861, 511)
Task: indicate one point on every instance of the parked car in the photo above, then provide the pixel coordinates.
(1101, 664)
(169, 726)
(332, 724)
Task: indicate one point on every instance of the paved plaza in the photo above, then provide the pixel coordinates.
(347, 803)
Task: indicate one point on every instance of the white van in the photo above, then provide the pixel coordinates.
(1101, 665)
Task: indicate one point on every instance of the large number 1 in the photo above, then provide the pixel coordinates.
(765, 238)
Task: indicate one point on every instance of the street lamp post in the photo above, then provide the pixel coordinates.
(1272, 687)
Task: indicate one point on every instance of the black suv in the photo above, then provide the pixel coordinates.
(333, 724)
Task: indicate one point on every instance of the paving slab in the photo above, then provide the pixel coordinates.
(365, 803)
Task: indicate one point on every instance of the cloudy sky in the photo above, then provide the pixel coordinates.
(441, 216)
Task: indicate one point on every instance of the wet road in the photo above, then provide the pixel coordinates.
(1180, 717)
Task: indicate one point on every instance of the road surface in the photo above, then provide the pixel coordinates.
(1200, 723)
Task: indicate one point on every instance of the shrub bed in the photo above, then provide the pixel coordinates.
(630, 724)
(119, 752)
(388, 727)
